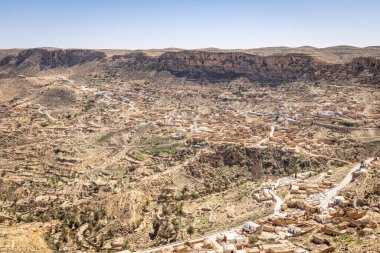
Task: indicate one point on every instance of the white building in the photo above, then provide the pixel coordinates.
(251, 227)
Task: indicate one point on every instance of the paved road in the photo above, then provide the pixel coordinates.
(280, 182)
(211, 237)
(330, 194)
(277, 206)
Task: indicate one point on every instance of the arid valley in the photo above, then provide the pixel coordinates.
(273, 150)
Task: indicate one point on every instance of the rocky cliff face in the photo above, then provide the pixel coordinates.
(221, 66)
(204, 65)
(210, 65)
(44, 59)
(368, 69)
(56, 58)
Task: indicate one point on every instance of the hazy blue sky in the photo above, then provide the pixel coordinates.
(139, 24)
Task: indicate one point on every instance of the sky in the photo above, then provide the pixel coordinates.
(188, 24)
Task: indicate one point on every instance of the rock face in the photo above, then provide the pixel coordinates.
(216, 65)
(52, 58)
(206, 66)
(221, 66)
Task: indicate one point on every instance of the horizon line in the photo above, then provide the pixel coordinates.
(202, 48)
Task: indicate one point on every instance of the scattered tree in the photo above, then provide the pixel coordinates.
(165, 232)
(190, 230)
(126, 245)
(156, 226)
(176, 225)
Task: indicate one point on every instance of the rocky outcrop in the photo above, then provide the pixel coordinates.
(274, 69)
(204, 66)
(45, 59)
(6, 60)
(257, 161)
(217, 65)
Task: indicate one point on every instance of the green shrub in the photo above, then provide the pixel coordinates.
(346, 123)
(253, 240)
